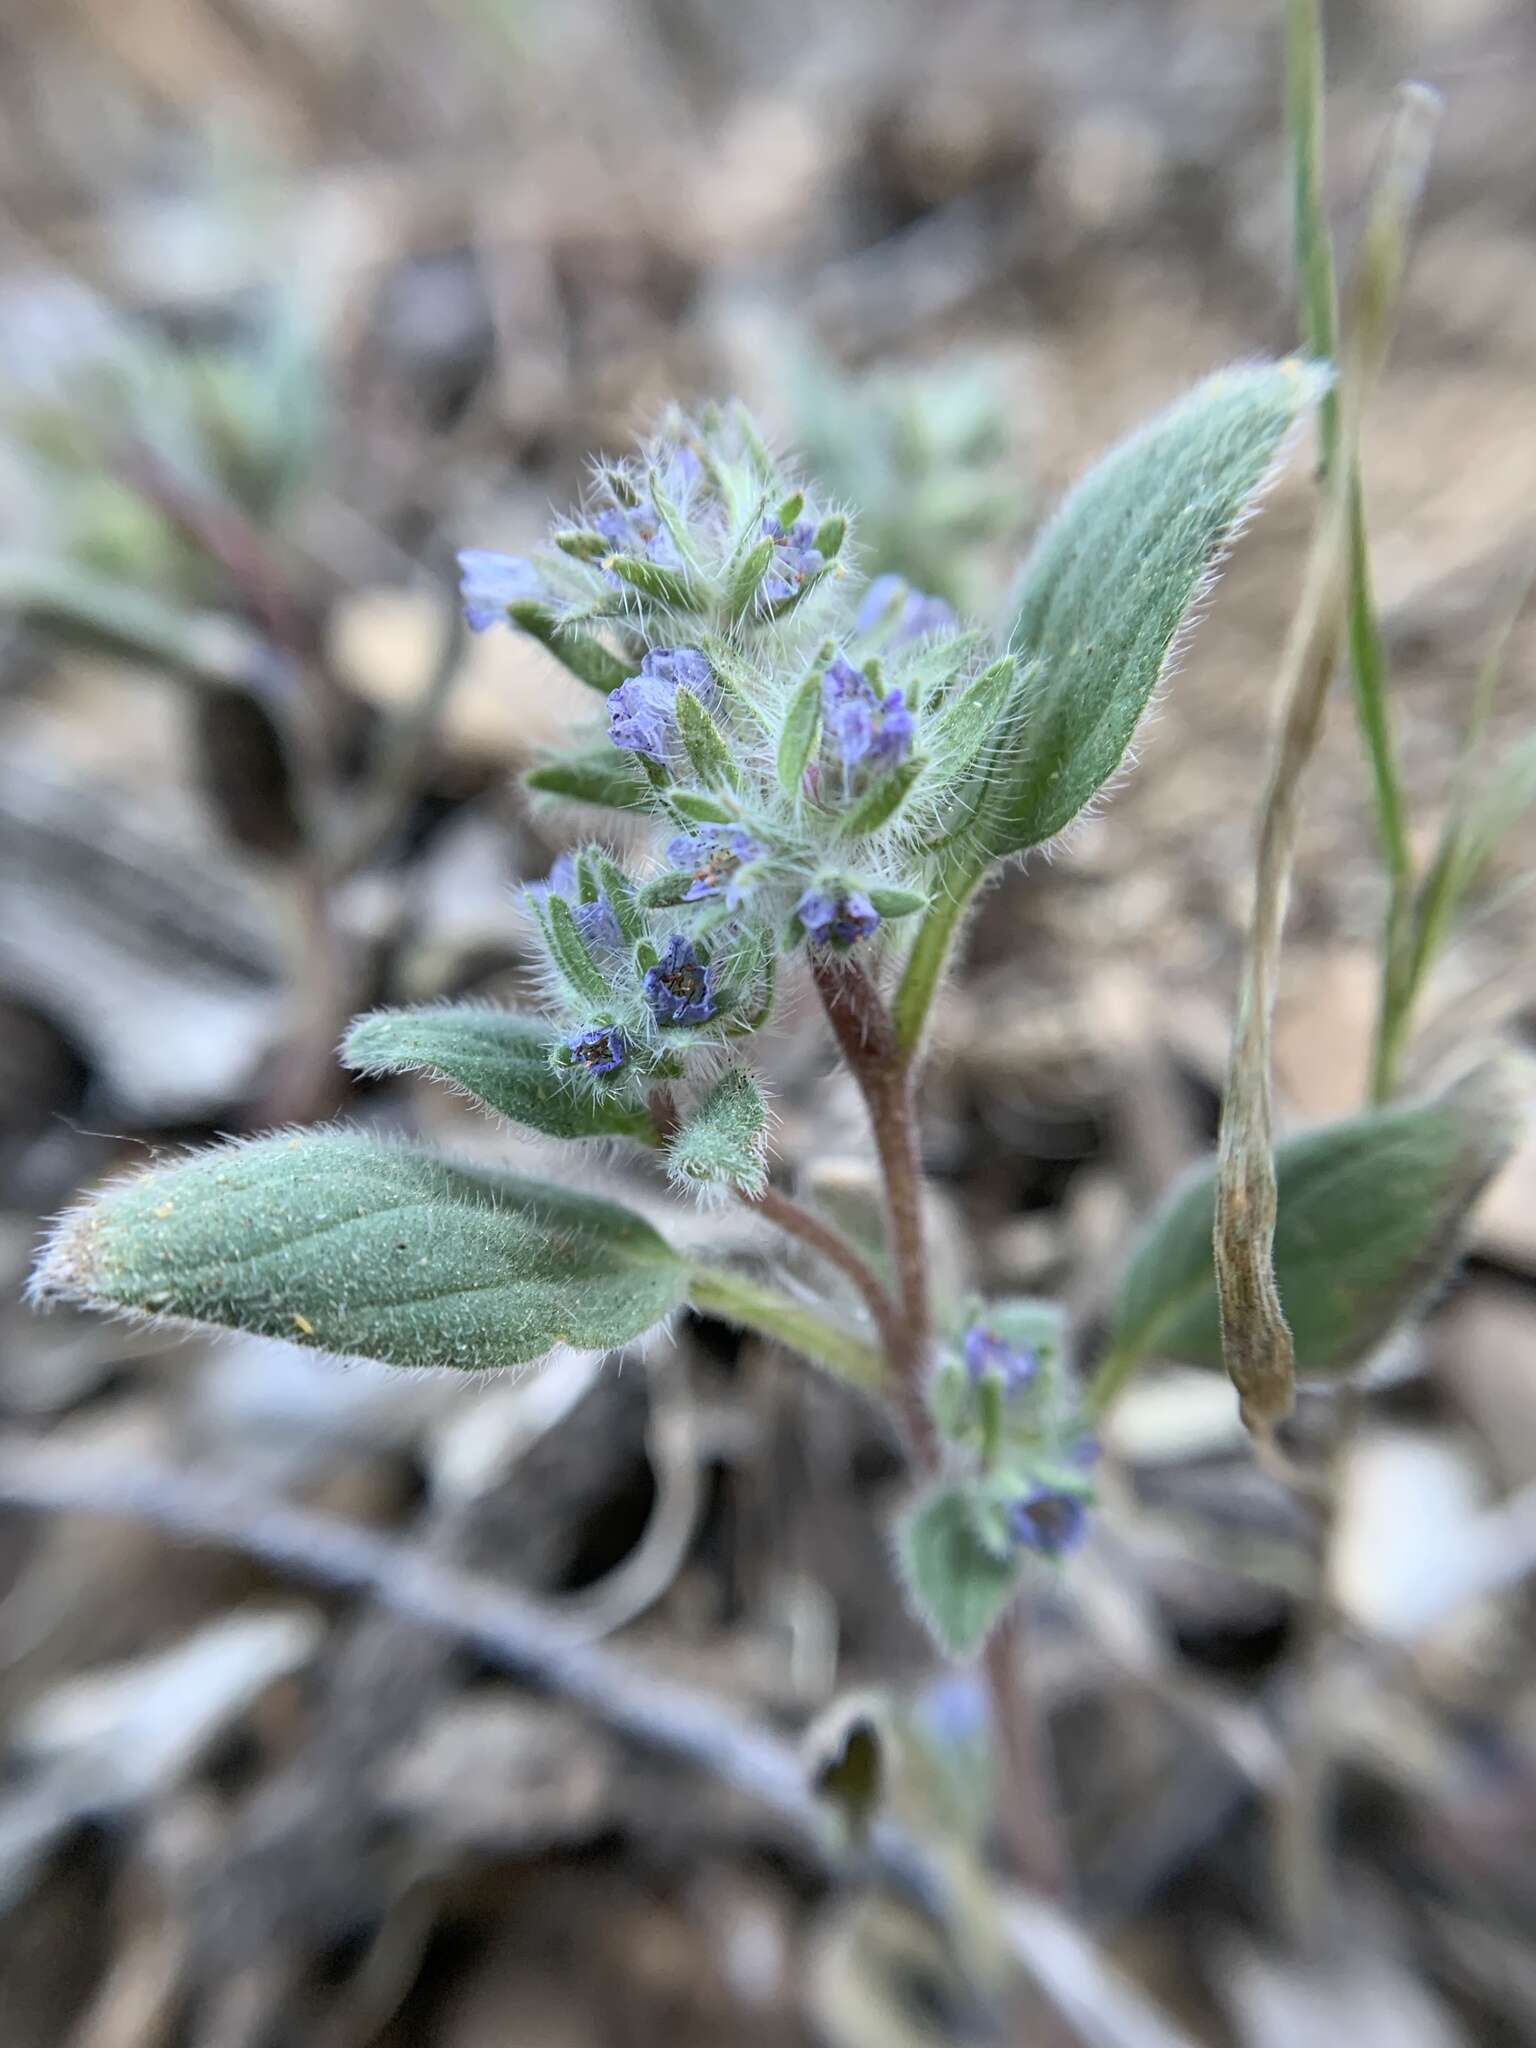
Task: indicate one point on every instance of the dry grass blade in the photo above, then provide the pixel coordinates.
(1255, 1336)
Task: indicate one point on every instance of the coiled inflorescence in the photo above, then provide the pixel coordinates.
(807, 743)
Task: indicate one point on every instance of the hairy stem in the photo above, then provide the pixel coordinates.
(882, 1065)
(864, 1032)
(799, 1222)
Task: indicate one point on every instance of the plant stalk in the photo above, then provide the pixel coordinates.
(882, 1064)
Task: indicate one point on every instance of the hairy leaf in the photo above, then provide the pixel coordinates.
(881, 803)
(1370, 1210)
(599, 775)
(723, 1141)
(802, 726)
(962, 1587)
(500, 1058)
(1101, 598)
(374, 1251)
(704, 743)
(586, 657)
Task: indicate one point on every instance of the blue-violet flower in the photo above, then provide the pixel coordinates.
(595, 921)
(837, 917)
(862, 725)
(714, 857)
(680, 988)
(985, 1351)
(794, 562)
(640, 711)
(489, 582)
(602, 1050)
(1052, 1523)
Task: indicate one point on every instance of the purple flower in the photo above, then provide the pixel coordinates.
(640, 711)
(682, 667)
(596, 921)
(906, 614)
(794, 562)
(489, 583)
(986, 1352)
(680, 988)
(602, 1050)
(837, 917)
(713, 857)
(1052, 1523)
(637, 530)
(862, 725)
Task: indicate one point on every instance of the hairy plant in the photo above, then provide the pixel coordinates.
(831, 766)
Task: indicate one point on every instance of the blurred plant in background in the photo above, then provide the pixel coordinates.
(931, 461)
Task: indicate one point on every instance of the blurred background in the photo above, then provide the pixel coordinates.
(295, 299)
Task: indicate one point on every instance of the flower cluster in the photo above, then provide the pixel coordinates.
(805, 744)
(636, 999)
(1007, 1405)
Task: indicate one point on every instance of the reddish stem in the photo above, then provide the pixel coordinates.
(863, 1029)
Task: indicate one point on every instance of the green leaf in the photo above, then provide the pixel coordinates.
(602, 775)
(880, 804)
(1370, 1211)
(665, 892)
(586, 657)
(746, 577)
(797, 742)
(724, 1140)
(704, 742)
(961, 1587)
(620, 890)
(568, 951)
(670, 587)
(974, 718)
(498, 1057)
(582, 543)
(704, 810)
(829, 536)
(897, 902)
(1101, 598)
(369, 1250)
(717, 1291)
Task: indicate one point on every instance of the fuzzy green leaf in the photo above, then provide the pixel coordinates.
(702, 809)
(897, 902)
(829, 536)
(1370, 1211)
(971, 720)
(879, 805)
(797, 742)
(618, 887)
(665, 892)
(586, 657)
(961, 1586)
(498, 1057)
(369, 1250)
(746, 577)
(724, 1140)
(602, 775)
(704, 743)
(671, 587)
(1101, 598)
(580, 973)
